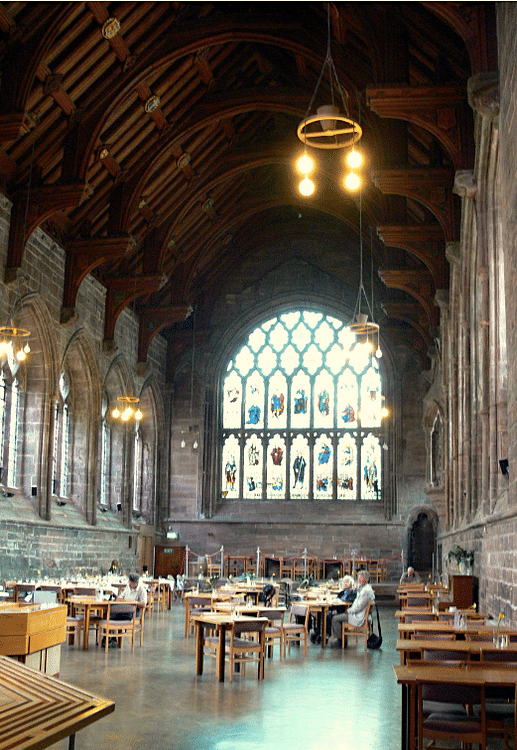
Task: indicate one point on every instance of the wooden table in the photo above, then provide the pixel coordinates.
(407, 628)
(470, 649)
(469, 674)
(469, 614)
(219, 622)
(90, 604)
(37, 711)
(321, 607)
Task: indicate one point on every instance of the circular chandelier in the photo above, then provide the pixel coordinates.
(329, 129)
(12, 341)
(128, 409)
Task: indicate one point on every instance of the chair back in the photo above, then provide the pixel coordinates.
(120, 608)
(253, 625)
(299, 611)
(85, 591)
(44, 597)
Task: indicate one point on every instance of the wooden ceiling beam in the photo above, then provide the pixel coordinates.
(82, 257)
(418, 284)
(154, 320)
(442, 110)
(424, 242)
(431, 187)
(411, 313)
(120, 293)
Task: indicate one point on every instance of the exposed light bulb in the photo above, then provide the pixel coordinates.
(195, 445)
(138, 415)
(354, 159)
(26, 348)
(20, 355)
(305, 164)
(352, 181)
(115, 413)
(3, 348)
(306, 186)
(385, 412)
(127, 414)
(378, 353)
(183, 443)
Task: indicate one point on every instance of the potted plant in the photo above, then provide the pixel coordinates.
(464, 559)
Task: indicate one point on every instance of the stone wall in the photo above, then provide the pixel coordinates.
(65, 543)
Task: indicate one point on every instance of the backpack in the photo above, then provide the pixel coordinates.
(267, 594)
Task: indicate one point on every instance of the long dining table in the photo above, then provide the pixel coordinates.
(89, 605)
(407, 629)
(409, 677)
(219, 622)
(413, 649)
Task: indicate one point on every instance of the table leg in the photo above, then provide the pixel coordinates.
(324, 627)
(86, 627)
(199, 647)
(71, 742)
(220, 653)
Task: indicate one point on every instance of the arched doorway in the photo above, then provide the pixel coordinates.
(422, 541)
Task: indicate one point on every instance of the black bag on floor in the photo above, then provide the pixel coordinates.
(375, 641)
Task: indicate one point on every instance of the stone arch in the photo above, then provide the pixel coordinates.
(38, 377)
(119, 382)
(151, 426)
(85, 399)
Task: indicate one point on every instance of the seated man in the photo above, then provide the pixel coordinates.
(135, 591)
(410, 576)
(356, 612)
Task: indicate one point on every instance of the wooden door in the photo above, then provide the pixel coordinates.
(168, 560)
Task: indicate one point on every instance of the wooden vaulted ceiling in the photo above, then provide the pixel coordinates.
(155, 141)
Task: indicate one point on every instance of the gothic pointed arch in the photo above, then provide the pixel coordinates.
(78, 397)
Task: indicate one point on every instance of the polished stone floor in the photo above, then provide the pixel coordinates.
(331, 699)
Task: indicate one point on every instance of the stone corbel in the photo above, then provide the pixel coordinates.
(465, 184)
(484, 95)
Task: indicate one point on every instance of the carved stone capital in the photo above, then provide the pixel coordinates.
(441, 299)
(465, 184)
(453, 253)
(483, 94)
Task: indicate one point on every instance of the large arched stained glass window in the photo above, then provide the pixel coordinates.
(301, 414)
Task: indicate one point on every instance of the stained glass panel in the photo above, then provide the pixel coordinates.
(300, 460)
(324, 400)
(232, 403)
(255, 401)
(276, 463)
(277, 401)
(370, 481)
(371, 403)
(346, 468)
(300, 401)
(348, 405)
(323, 462)
(231, 460)
(253, 463)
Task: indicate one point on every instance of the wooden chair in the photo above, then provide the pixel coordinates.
(297, 628)
(21, 590)
(194, 604)
(74, 627)
(451, 725)
(274, 630)
(348, 629)
(159, 595)
(119, 629)
(245, 643)
(140, 623)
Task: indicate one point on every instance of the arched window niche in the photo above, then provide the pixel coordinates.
(301, 413)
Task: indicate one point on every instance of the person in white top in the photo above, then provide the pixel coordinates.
(356, 612)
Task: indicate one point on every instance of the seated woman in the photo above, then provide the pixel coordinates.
(356, 612)
(347, 594)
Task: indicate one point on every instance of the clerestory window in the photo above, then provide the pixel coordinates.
(301, 413)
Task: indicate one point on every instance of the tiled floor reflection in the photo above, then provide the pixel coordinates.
(333, 699)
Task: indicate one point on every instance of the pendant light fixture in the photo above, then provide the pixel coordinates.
(329, 128)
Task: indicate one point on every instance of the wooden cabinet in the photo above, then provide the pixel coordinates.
(34, 634)
(464, 591)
